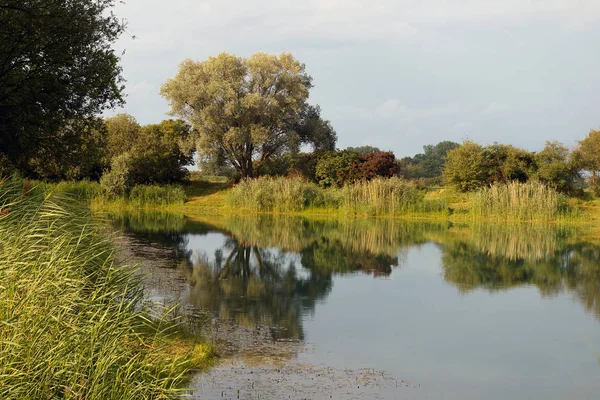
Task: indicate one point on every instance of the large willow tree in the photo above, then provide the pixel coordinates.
(247, 110)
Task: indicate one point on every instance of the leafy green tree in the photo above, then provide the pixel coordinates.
(247, 109)
(506, 163)
(587, 157)
(333, 168)
(428, 164)
(556, 167)
(56, 66)
(362, 150)
(84, 157)
(149, 154)
(465, 167)
(122, 130)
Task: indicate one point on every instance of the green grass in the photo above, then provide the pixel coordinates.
(517, 201)
(139, 196)
(73, 323)
(379, 197)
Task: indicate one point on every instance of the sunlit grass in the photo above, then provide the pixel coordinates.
(73, 323)
(377, 197)
(531, 201)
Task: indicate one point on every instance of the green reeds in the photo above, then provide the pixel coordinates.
(72, 323)
(139, 196)
(531, 201)
(377, 197)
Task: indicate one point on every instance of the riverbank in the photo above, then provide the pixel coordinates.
(76, 323)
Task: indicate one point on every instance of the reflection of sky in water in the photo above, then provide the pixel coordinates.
(417, 326)
(466, 315)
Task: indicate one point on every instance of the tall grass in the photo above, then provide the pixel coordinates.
(266, 194)
(387, 197)
(72, 323)
(531, 201)
(377, 197)
(139, 196)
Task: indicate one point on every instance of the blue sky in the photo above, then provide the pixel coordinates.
(397, 74)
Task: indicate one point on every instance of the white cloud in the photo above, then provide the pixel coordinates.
(204, 22)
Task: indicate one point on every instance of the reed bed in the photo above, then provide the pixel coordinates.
(139, 196)
(377, 197)
(72, 323)
(531, 201)
(268, 194)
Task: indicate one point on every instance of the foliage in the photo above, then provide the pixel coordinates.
(428, 164)
(333, 168)
(247, 109)
(556, 168)
(471, 166)
(53, 75)
(464, 168)
(362, 150)
(300, 164)
(117, 181)
(122, 131)
(74, 324)
(371, 165)
(505, 163)
(530, 201)
(150, 154)
(587, 157)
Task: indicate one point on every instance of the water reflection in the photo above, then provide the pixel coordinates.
(273, 270)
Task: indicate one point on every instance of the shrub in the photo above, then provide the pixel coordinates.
(117, 181)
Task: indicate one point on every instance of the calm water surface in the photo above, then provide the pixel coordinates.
(380, 309)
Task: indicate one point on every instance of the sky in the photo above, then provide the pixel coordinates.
(396, 74)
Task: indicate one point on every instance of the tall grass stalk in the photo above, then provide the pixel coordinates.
(139, 196)
(531, 201)
(72, 323)
(377, 197)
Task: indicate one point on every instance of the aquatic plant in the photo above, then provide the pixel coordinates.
(520, 201)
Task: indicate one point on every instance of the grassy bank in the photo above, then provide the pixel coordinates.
(73, 323)
(390, 198)
(394, 197)
(140, 196)
(379, 197)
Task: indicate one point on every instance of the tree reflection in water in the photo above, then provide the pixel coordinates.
(270, 271)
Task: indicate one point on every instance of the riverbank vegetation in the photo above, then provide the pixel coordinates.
(74, 322)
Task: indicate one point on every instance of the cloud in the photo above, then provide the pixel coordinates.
(203, 22)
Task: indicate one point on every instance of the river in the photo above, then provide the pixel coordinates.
(378, 309)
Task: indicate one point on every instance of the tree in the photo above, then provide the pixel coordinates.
(372, 165)
(248, 109)
(506, 163)
(556, 168)
(587, 156)
(333, 168)
(148, 154)
(362, 150)
(123, 130)
(56, 66)
(83, 156)
(465, 167)
(428, 164)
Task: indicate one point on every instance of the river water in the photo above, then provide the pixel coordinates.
(378, 309)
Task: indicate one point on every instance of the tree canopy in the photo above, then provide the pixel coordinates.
(248, 109)
(56, 66)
